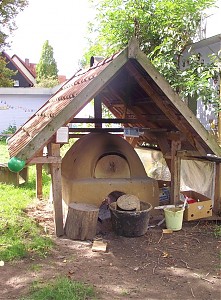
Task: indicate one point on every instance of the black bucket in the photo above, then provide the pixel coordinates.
(130, 223)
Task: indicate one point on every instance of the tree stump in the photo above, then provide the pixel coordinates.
(128, 202)
(81, 222)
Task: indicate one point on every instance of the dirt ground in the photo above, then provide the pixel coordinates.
(182, 265)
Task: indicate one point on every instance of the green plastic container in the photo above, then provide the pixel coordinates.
(174, 218)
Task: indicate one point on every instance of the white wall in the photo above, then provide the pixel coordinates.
(17, 105)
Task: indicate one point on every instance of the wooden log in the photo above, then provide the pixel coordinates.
(81, 222)
(128, 202)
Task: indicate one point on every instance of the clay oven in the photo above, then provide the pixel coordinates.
(100, 163)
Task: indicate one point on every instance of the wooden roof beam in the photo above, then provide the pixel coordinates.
(189, 117)
(163, 106)
(104, 120)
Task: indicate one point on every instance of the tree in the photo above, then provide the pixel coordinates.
(5, 74)
(46, 69)
(164, 29)
(9, 9)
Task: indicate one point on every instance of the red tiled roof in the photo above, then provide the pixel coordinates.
(61, 78)
(55, 105)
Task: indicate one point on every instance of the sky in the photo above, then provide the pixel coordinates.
(64, 23)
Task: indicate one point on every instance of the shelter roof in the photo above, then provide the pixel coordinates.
(130, 86)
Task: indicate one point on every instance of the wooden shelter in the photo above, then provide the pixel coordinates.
(138, 96)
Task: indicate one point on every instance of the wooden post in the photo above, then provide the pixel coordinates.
(57, 191)
(175, 171)
(98, 111)
(39, 193)
(217, 192)
(219, 118)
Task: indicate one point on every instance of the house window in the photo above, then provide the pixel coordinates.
(16, 83)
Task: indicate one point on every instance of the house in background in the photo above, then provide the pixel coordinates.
(31, 68)
(18, 103)
(205, 48)
(23, 77)
(26, 71)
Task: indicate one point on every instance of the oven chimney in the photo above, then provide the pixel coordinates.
(95, 59)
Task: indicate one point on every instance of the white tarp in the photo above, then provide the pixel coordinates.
(195, 175)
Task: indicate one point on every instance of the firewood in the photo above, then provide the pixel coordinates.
(81, 221)
(128, 202)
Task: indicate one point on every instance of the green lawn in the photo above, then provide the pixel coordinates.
(4, 155)
(61, 289)
(20, 236)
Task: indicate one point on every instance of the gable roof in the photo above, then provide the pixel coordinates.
(130, 87)
(11, 64)
(28, 67)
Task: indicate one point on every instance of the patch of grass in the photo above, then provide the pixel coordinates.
(4, 155)
(20, 236)
(61, 289)
(36, 267)
(217, 231)
(125, 293)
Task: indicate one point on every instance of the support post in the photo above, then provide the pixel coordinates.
(217, 192)
(98, 111)
(219, 119)
(39, 193)
(57, 191)
(175, 171)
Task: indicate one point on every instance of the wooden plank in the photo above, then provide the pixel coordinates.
(57, 191)
(119, 120)
(175, 172)
(104, 120)
(217, 189)
(114, 129)
(45, 160)
(99, 246)
(178, 103)
(133, 47)
(80, 100)
(96, 129)
(187, 153)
